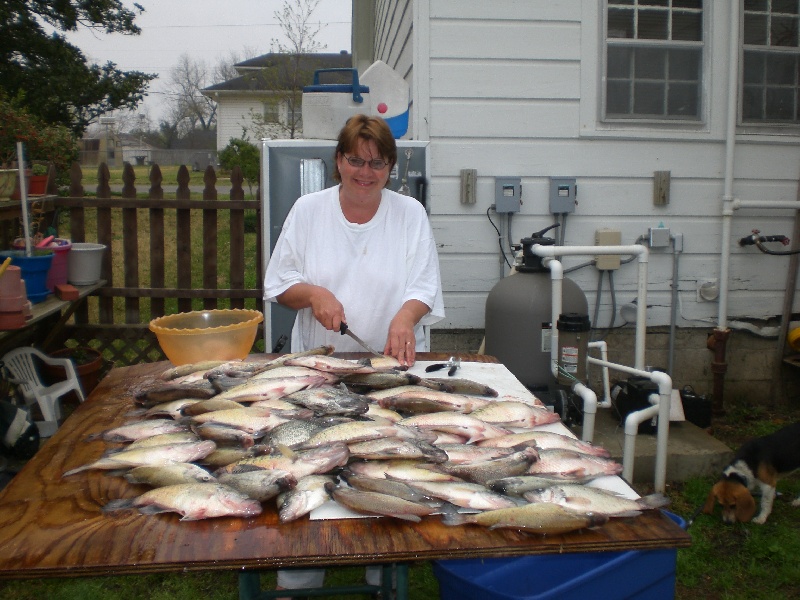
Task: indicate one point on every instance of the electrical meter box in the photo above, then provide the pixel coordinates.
(507, 194)
(563, 195)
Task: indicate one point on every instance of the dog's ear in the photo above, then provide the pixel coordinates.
(711, 501)
(745, 506)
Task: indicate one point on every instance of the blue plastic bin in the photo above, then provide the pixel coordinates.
(640, 574)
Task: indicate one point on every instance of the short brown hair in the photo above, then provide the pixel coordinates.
(366, 128)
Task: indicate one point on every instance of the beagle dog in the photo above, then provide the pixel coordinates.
(756, 467)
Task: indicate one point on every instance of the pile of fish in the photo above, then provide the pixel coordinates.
(229, 438)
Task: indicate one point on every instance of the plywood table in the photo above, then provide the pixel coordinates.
(53, 527)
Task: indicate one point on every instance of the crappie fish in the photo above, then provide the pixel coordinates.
(252, 420)
(517, 486)
(474, 430)
(183, 370)
(378, 381)
(398, 469)
(585, 498)
(260, 484)
(301, 464)
(193, 501)
(168, 392)
(227, 455)
(543, 518)
(459, 385)
(568, 463)
(163, 439)
(329, 364)
(392, 447)
(399, 489)
(464, 494)
(284, 371)
(362, 431)
(210, 405)
(545, 440)
(294, 433)
(225, 435)
(168, 474)
(418, 399)
(481, 472)
(139, 430)
(173, 409)
(515, 414)
(378, 413)
(310, 492)
(383, 363)
(373, 503)
(266, 389)
(463, 454)
(155, 455)
(330, 401)
(283, 358)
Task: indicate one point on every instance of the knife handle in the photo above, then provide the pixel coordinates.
(342, 328)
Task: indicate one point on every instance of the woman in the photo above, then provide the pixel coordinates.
(361, 254)
(358, 253)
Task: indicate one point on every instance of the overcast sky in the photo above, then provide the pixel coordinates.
(207, 30)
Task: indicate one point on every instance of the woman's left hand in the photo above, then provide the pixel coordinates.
(401, 342)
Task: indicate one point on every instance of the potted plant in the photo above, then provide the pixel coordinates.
(37, 181)
(88, 364)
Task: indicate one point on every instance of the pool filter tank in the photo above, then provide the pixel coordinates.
(518, 316)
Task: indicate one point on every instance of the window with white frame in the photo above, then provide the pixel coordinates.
(654, 60)
(770, 62)
(272, 112)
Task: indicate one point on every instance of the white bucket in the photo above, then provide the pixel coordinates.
(84, 262)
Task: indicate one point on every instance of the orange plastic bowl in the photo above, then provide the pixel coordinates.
(222, 334)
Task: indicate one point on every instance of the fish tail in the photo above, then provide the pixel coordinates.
(657, 500)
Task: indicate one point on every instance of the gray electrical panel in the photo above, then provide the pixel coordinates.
(563, 195)
(507, 194)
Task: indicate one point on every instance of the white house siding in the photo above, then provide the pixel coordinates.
(510, 88)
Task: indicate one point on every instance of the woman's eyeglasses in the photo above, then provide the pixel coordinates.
(375, 164)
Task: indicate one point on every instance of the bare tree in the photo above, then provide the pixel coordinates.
(287, 76)
(188, 108)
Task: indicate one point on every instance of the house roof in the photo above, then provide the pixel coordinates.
(275, 71)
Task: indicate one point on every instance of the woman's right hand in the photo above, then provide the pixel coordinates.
(323, 304)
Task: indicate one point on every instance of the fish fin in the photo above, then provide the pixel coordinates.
(412, 518)
(627, 513)
(153, 509)
(120, 504)
(286, 451)
(77, 470)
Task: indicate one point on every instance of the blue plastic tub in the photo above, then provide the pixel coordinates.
(640, 574)
(34, 270)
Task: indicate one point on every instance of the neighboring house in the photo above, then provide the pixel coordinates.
(663, 112)
(135, 150)
(262, 89)
(101, 144)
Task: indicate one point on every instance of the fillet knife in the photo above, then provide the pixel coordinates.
(344, 329)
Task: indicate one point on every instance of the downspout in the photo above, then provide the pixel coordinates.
(717, 342)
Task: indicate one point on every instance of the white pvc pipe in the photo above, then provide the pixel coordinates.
(556, 293)
(664, 382)
(603, 346)
(589, 410)
(641, 304)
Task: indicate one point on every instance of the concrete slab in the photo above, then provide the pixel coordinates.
(692, 451)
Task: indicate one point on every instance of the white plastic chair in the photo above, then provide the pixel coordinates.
(21, 364)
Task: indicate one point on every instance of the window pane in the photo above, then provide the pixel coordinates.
(780, 104)
(687, 3)
(682, 100)
(613, 2)
(781, 69)
(618, 98)
(687, 26)
(784, 32)
(650, 64)
(620, 23)
(648, 99)
(684, 65)
(784, 6)
(619, 62)
(755, 30)
(752, 104)
(755, 5)
(654, 2)
(754, 67)
(652, 25)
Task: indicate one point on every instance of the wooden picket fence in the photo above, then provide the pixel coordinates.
(155, 264)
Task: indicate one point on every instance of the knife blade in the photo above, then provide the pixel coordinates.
(344, 329)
